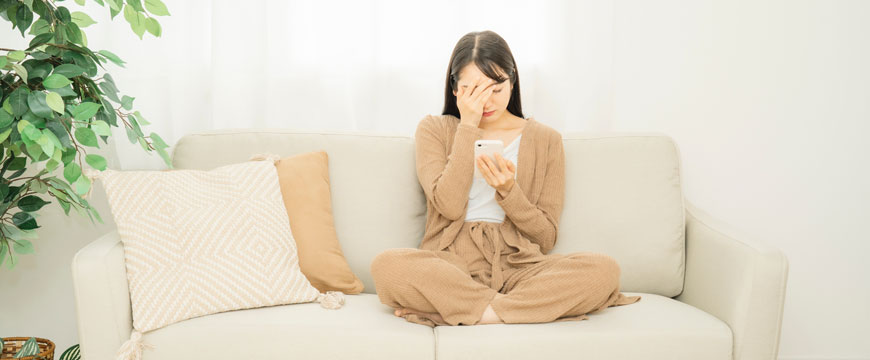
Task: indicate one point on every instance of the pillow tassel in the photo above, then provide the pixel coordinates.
(132, 348)
(331, 299)
(265, 156)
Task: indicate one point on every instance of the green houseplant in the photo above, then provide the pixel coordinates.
(58, 101)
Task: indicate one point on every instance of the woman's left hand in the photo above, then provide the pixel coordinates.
(502, 180)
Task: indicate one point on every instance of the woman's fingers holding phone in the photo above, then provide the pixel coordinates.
(505, 164)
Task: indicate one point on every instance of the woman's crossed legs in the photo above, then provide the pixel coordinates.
(436, 288)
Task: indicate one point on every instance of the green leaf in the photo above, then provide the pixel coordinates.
(71, 172)
(5, 134)
(86, 63)
(36, 101)
(29, 133)
(140, 28)
(34, 151)
(39, 187)
(73, 352)
(5, 119)
(165, 156)
(85, 111)
(24, 221)
(16, 55)
(101, 128)
(18, 101)
(141, 118)
(86, 137)
(29, 348)
(96, 161)
(54, 101)
(110, 91)
(65, 91)
(37, 69)
(59, 131)
(131, 135)
(23, 247)
(153, 26)
(156, 7)
(54, 161)
(69, 70)
(2, 259)
(82, 185)
(143, 143)
(69, 154)
(84, 38)
(17, 163)
(65, 206)
(158, 141)
(63, 14)
(39, 27)
(3, 61)
(73, 33)
(127, 102)
(31, 203)
(23, 18)
(39, 55)
(136, 4)
(45, 143)
(80, 2)
(54, 81)
(21, 71)
(136, 20)
(112, 11)
(81, 19)
(40, 39)
(112, 57)
(109, 114)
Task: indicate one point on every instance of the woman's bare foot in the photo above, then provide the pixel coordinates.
(435, 317)
(489, 316)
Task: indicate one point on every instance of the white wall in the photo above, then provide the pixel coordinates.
(768, 101)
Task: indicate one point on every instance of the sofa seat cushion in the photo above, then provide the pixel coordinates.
(656, 328)
(362, 329)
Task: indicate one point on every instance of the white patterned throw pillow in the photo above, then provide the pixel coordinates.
(202, 242)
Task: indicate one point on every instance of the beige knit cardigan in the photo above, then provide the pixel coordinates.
(445, 164)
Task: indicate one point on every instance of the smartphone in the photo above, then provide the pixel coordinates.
(488, 147)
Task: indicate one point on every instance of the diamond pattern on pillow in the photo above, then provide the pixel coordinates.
(202, 242)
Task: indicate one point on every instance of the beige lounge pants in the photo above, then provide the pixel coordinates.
(460, 282)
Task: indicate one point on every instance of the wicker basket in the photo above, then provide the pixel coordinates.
(11, 345)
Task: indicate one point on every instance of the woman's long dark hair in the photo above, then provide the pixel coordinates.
(490, 53)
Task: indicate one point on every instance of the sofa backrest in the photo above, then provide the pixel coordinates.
(623, 195)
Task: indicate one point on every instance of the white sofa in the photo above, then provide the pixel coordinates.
(706, 292)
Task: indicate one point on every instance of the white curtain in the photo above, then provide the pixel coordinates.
(365, 65)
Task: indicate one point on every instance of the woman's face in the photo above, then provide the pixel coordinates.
(498, 101)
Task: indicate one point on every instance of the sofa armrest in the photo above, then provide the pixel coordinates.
(102, 297)
(741, 282)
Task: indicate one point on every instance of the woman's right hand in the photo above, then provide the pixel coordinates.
(471, 100)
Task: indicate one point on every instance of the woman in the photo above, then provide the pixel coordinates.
(484, 255)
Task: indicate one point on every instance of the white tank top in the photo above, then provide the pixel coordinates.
(481, 198)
